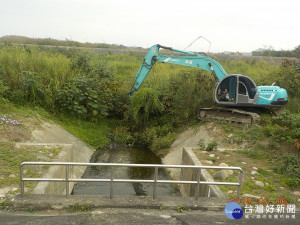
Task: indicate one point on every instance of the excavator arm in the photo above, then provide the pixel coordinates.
(190, 59)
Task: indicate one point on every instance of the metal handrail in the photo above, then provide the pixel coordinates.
(112, 180)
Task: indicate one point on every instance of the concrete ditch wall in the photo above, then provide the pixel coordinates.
(51, 135)
(185, 156)
(75, 152)
(57, 188)
(188, 190)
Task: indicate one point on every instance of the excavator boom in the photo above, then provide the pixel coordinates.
(190, 59)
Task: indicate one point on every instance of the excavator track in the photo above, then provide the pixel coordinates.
(229, 114)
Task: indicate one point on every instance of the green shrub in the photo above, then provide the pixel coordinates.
(155, 137)
(122, 135)
(3, 88)
(291, 182)
(81, 61)
(288, 77)
(293, 104)
(144, 104)
(81, 97)
(188, 90)
(201, 144)
(287, 119)
(290, 165)
(284, 128)
(180, 208)
(290, 168)
(211, 146)
(162, 142)
(32, 89)
(89, 96)
(17, 96)
(121, 105)
(213, 159)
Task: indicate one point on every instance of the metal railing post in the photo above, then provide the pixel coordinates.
(67, 181)
(240, 184)
(155, 182)
(21, 181)
(198, 183)
(111, 192)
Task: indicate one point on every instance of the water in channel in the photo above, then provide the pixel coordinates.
(125, 155)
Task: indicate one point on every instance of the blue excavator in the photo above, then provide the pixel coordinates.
(233, 90)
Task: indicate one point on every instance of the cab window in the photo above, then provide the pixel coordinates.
(249, 85)
(242, 89)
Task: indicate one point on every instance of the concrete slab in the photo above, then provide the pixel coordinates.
(130, 216)
(52, 133)
(51, 202)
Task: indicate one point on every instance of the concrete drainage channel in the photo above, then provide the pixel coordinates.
(78, 151)
(75, 152)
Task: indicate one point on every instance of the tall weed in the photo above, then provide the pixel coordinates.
(36, 73)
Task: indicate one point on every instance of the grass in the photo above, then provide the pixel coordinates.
(5, 204)
(180, 208)
(11, 159)
(95, 134)
(79, 208)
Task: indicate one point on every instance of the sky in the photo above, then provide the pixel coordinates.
(229, 25)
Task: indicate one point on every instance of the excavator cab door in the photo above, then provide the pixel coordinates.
(236, 90)
(247, 91)
(226, 91)
(243, 96)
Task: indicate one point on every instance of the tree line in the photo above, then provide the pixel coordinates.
(281, 53)
(12, 39)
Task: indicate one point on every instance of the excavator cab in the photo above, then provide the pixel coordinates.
(236, 90)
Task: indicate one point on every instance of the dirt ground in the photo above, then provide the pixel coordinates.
(21, 132)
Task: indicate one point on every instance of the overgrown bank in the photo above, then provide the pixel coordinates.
(91, 87)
